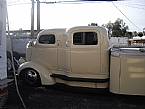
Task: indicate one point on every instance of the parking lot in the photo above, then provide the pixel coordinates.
(64, 97)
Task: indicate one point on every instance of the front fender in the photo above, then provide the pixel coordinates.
(43, 72)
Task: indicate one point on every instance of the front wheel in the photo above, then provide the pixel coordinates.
(30, 77)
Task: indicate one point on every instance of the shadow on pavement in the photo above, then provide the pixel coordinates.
(64, 97)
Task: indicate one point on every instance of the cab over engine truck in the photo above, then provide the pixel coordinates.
(80, 56)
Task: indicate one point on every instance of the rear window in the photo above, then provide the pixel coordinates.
(85, 38)
(47, 39)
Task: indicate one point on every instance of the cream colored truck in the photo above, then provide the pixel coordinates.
(80, 57)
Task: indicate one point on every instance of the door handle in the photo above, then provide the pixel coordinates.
(67, 44)
(58, 42)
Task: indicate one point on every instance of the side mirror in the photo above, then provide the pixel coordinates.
(31, 43)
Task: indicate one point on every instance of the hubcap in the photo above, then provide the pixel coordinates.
(32, 74)
(31, 77)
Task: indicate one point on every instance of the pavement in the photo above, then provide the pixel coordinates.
(64, 97)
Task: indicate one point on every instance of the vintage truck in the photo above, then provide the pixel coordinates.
(81, 57)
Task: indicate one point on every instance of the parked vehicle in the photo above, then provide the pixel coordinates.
(17, 45)
(81, 56)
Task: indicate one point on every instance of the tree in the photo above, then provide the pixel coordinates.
(135, 33)
(117, 29)
(144, 31)
(140, 34)
(109, 26)
(129, 35)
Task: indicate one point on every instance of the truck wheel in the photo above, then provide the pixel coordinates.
(30, 77)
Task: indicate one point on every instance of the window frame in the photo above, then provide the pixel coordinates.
(46, 36)
(84, 32)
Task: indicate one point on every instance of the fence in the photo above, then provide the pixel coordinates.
(118, 41)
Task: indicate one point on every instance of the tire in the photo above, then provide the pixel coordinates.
(30, 77)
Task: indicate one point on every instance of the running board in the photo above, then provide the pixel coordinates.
(66, 78)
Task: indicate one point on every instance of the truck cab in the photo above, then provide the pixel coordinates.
(77, 57)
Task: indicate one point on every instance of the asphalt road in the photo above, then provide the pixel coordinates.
(63, 97)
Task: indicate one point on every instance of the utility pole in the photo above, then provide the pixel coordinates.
(32, 19)
(38, 15)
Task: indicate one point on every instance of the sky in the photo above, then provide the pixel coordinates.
(66, 15)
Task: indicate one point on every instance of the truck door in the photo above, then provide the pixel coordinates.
(45, 51)
(85, 53)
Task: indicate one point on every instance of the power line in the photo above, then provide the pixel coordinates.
(132, 6)
(71, 2)
(139, 6)
(125, 16)
(18, 4)
(61, 2)
(135, 7)
(64, 2)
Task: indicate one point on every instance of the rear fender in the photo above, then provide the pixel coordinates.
(43, 72)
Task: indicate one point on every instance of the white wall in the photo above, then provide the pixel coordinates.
(3, 65)
(118, 41)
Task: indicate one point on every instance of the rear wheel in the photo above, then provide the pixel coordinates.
(30, 77)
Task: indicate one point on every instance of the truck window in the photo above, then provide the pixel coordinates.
(85, 38)
(47, 39)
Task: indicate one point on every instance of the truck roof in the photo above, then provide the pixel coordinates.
(64, 30)
(55, 30)
(86, 27)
